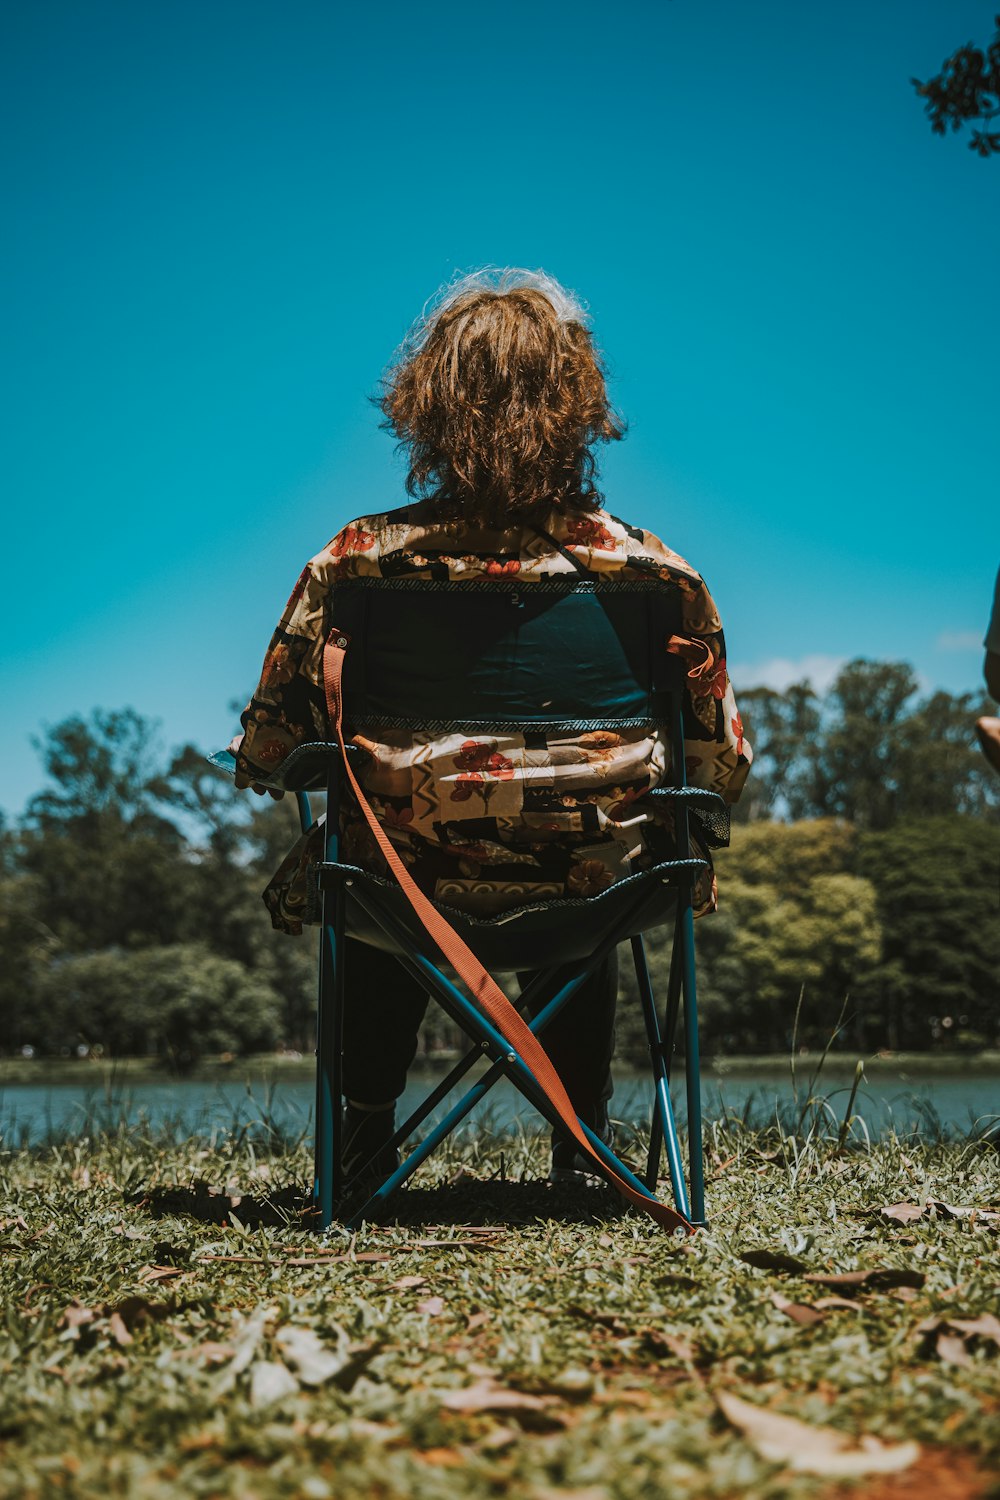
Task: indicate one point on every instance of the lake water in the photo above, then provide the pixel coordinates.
(904, 1102)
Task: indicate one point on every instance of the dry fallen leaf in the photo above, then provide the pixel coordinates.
(480, 1242)
(432, 1306)
(159, 1273)
(773, 1260)
(75, 1317)
(950, 1348)
(270, 1382)
(445, 1458)
(211, 1352)
(954, 1335)
(119, 1332)
(405, 1282)
(247, 1334)
(498, 1438)
(485, 1395)
(313, 1362)
(904, 1213)
(813, 1450)
(876, 1277)
(799, 1312)
(589, 1492)
(985, 1326)
(966, 1211)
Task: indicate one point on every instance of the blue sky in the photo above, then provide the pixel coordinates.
(223, 217)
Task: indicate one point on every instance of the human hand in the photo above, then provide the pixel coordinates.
(272, 791)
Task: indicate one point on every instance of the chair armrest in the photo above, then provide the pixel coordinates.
(695, 796)
(305, 769)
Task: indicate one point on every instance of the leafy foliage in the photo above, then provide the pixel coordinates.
(967, 89)
(176, 1003)
(938, 881)
(896, 929)
(135, 873)
(870, 751)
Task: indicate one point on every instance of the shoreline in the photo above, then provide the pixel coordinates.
(110, 1073)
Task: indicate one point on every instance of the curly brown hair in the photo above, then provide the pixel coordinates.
(498, 399)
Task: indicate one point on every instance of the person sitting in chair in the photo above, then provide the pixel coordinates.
(498, 396)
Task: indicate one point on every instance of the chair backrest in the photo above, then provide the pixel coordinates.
(550, 656)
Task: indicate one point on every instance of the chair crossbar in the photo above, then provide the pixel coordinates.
(471, 1020)
(458, 1112)
(526, 1002)
(507, 1061)
(527, 999)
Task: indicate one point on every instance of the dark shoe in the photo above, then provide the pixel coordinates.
(570, 1166)
(366, 1155)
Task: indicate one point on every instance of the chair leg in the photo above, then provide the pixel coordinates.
(663, 1128)
(325, 1096)
(673, 992)
(667, 1033)
(692, 1058)
(337, 1062)
(329, 1062)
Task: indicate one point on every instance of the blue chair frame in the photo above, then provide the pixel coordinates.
(608, 644)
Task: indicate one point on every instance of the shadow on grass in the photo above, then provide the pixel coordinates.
(465, 1201)
(283, 1208)
(472, 1201)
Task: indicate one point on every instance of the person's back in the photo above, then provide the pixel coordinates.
(498, 397)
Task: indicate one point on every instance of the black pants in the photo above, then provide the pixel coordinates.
(385, 1006)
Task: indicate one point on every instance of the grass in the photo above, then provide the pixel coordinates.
(171, 1327)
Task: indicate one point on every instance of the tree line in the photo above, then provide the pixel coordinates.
(864, 875)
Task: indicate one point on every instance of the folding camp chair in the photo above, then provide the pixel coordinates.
(556, 656)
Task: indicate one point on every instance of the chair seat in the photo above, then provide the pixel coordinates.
(539, 935)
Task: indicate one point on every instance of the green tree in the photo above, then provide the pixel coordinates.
(178, 1003)
(119, 851)
(823, 939)
(234, 843)
(966, 89)
(938, 883)
(27, 947)
(110, 866)
(793, 913)
(780, 727)
(870, 751)
(851, 766)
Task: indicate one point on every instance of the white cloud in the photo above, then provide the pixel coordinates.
(780, 672)
(959, 640)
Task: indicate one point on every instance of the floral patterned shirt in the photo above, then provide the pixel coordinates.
(488, 824)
